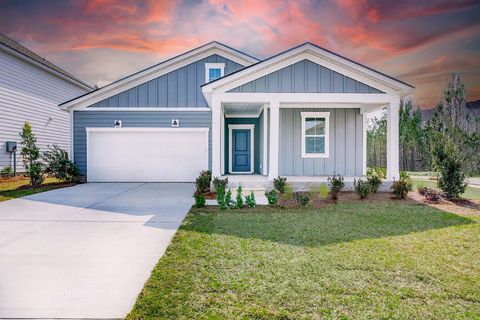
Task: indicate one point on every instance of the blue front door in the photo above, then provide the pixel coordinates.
(241, 150)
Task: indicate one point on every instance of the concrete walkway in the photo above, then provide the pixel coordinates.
(85, 251)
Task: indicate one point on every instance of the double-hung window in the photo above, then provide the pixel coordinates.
(315, 128)
(213, 71)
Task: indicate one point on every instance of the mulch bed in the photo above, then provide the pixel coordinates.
(345, 196)
(12, 179)
(48, 185)
(211, 195)
(464, 207)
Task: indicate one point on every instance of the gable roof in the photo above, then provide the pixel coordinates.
(318, 55)
(14, 47)
(158, 70)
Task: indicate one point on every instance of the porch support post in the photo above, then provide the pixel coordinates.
(216, 137)
(364, 138)
(222, 141)
(392, 139)
(274, 136)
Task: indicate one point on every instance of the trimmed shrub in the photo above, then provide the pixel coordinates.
(288, 194)
(239, 198)
(301, 198)
(6, 172)
(202, 183)
(402, 187)
(220, 189)
(250, 200)
(336, 185)
(272, 197)
(59, 165)
(363, 188)
(220, 183)
(199, 200)
(432, 195)
(228, 199)
(375, 183)
(279, 184)
(324, 190)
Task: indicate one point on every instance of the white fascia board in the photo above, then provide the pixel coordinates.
(154, 109)
(290, 98)
(316, 55)
(157, 71)
(45, 68)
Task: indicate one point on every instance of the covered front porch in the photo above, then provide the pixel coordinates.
(256, 138)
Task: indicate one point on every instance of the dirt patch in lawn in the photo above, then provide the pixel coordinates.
(463, 207)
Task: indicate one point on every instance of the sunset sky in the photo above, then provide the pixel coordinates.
(420, 42)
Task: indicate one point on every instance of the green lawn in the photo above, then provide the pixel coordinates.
(470, 193)
(9, 190)
(389, 260)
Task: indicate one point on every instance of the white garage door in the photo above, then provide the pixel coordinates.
(146, 154)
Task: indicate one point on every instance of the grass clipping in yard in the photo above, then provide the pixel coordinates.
(397, 259)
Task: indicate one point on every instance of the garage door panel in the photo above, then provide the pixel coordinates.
(167, 155)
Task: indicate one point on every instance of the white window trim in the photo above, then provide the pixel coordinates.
(325, 115)
(209, 66)
(232, 127)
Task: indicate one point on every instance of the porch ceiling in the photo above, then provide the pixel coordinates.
(242, 109)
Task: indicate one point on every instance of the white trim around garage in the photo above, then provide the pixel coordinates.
(91, 130)
(232, 127)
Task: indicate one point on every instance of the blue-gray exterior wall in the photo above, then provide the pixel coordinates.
(151, 119)
(256, 140)
(180, 88)
(346, 144)
(305, 76)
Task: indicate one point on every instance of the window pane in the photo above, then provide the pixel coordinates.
(310, 126)
(314, 145)
(214, 73)
(314, 126)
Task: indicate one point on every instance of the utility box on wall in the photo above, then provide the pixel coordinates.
(11, 146)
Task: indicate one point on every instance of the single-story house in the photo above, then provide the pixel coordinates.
(300, 113)
(30, 90)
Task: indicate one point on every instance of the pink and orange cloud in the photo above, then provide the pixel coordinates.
(102, 40)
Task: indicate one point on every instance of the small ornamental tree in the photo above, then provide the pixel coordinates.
(451, 176)
(30, 154)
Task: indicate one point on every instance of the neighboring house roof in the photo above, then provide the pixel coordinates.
(12, 45)
(158, 70)
(319, 55)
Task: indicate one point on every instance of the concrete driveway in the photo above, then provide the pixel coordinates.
(85, 251)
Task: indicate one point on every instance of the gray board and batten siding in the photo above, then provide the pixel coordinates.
(149, 119)
(180, 88)
(303, 77)
(346, 144)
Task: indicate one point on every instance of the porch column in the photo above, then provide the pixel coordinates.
(392, 139)
(216, 137)
(274, 135)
